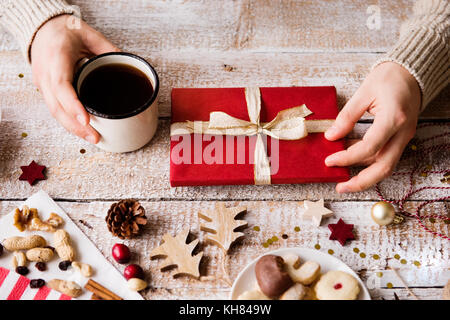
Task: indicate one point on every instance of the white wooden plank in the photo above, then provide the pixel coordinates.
(144, 174)
(20, 100)
(154, 25)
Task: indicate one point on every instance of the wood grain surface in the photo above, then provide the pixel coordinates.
(225, 43)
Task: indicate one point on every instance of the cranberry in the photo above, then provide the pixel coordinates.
(64, 265)
(121, 253)
(337, 286)
(133, 271)
(41, 266)
(22, 271)
(37, 283)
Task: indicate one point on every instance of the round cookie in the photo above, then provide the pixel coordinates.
(337, 285)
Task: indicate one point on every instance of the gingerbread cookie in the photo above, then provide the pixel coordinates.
(337, 285)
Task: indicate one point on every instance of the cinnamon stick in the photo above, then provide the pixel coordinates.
(100, 291)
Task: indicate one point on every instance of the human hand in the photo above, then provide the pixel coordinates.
(392, 95)
(55, 52)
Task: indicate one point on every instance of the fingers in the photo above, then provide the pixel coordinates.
(349, 115)
(67, 120)
(97, 43)
(68, 99)
(375, 138)
(382, 168)
(365, 162)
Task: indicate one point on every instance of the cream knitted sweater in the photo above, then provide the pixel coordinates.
(423, 48)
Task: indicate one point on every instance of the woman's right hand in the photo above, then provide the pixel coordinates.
(55, 52)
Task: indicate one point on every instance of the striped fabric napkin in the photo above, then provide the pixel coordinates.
(16, 287)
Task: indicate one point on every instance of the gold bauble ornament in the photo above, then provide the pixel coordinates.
(383, 213)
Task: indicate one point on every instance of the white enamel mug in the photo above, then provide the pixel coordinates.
(129, 131)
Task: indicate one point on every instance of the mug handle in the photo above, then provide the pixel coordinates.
(80, 63)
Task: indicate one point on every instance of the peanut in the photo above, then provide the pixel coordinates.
(19, 259)
(40, 254)
(24, 243)
(137, 284)
(83, 268)
(63, 246)
(69, 288)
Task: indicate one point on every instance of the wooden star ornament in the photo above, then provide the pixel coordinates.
(32, 172)
(221, 224)
(341, 231)
(315, 211)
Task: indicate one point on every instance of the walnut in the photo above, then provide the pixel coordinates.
(39, 225)
(23, 217)
(28, 219)
(55, 220)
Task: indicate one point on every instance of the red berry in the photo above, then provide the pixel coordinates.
(337, 286)
(133, 271)
(121, 253)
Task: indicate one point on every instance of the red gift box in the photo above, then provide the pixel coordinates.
(200, 159)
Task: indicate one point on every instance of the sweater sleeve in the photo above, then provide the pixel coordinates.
(423, 47)
(23, 18)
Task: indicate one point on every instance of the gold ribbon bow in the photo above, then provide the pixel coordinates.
(289, 124)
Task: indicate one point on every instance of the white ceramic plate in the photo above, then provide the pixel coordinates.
(246, 279)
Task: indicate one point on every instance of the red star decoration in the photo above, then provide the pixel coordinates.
(341, 231)
(32, 172)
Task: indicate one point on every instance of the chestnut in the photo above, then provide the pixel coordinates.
(272, 276)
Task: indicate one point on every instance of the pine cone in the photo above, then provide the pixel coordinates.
(125, 218)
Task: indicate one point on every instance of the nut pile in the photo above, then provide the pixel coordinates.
(34, 248)
(287, 278)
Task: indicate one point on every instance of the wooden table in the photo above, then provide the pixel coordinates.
(206, 43)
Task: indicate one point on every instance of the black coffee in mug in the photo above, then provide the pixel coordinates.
(115, 89)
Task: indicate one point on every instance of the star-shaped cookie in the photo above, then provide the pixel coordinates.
(315, 211)
(32, 172)
(341, 231)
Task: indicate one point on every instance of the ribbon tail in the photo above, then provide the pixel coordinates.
(262, 164)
